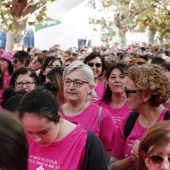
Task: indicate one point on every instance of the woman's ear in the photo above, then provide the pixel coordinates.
(143, 154)
(146, 97)
(91, 87)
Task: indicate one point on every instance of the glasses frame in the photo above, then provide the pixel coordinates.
(30, 85)
(157, 160)
(73, 81)
(97, 65)
(128, 91)
(15, 61)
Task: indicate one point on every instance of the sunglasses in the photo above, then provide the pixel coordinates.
(158, 160)
(128, 91)
(15, 61)
(97, 65)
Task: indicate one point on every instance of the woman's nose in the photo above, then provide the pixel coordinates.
(117, 79)
(37, 138)
(71, 86)
(165, 165)
(24, 86)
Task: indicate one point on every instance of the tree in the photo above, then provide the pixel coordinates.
(14, 15)
(145, 15)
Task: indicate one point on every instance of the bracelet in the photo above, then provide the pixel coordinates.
(131, 161)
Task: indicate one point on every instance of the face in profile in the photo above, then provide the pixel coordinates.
(159, 160)
(35, 64)
(18, 64)
(42, 131)
(134, 98)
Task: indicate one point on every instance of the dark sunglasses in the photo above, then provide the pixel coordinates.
(128, 91)
(157, 159)
(15, 61)
(98, 65)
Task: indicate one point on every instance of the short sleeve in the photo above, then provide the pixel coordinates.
(120, 140)
(107, 129)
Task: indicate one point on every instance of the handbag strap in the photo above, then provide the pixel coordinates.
(99, 116)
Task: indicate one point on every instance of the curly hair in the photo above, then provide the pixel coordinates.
(151, 79)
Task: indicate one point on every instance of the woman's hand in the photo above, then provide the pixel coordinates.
(134, 151)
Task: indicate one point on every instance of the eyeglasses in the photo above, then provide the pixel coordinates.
(21, 84)
(158, 160)
(98, 65)
(77, 83)
(128, 91)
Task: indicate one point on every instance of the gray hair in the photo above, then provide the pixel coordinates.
(87, 72)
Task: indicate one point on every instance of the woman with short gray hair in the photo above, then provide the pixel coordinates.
(78, 81)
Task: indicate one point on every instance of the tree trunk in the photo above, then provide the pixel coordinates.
(14, 39)
(122, 39)
(151, 36)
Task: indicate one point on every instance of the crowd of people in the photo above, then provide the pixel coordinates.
(92, 108)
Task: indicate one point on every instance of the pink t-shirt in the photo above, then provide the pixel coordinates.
(99, 89)
(6, 80)
(118, 113)
(89, 119)
(65, 154)
(122, 146)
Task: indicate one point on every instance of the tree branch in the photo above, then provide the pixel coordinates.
(22, 8)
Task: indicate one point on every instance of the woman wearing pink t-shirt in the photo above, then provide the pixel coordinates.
(146, 87)
(78, 81)
(113, 98)
(96, 62)
(55, 143)
(7, 67)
